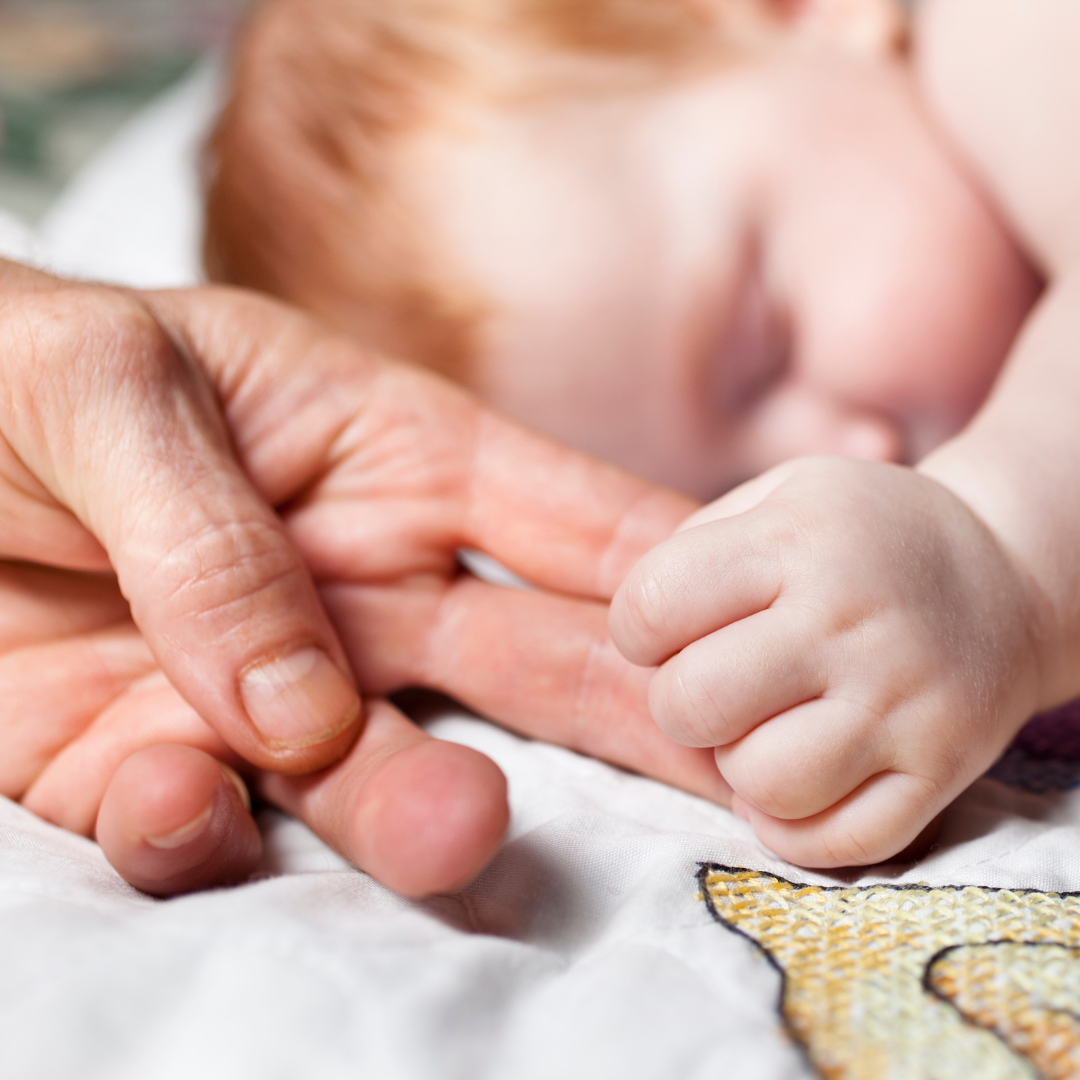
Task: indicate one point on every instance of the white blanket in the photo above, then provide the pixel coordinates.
(597, 945)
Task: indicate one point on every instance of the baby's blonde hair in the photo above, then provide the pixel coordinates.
(302, 167)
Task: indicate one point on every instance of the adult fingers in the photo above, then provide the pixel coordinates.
(405, 499)
(123, 430)
(39, 604)
(419, 815)
(69, 787)
(409, 467)
(697, 582)
(173, 820)
(50, 693)
(722, 686)
(558, 518)
(539, 664)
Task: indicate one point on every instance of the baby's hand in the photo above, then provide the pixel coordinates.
(853, 641)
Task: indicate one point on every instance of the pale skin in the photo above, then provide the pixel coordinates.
(397, 798)
(704, 279)
(779, 259)
(859, 641)
(127, 718)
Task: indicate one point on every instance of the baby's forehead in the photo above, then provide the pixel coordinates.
(313, 159)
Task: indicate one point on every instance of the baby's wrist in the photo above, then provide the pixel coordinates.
(986, 494)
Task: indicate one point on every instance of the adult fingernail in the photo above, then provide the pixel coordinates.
(237, 782)
(301, 700)
(186, 833)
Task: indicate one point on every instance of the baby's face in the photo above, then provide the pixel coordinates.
(696, 283)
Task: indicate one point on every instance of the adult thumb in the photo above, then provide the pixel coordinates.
(125, 432)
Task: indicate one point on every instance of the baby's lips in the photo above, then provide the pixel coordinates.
(872, 439)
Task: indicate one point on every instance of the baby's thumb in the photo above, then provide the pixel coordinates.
(127, 434)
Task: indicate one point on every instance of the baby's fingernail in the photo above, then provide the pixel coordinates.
(301, 700)
(186, 833)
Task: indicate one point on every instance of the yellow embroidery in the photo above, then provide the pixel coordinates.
(913, 983)
(1028, 994)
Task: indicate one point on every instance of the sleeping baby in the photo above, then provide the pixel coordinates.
(692, 237)
(709, 241)
(719, 243)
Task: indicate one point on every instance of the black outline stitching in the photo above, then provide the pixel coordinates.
(705, 868)
(942, 953)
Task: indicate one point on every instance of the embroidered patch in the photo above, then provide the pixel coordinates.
(888, 982)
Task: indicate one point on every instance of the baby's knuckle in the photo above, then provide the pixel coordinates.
(684, 706)
(646, 609)
(929, 790)
(776, 799)
(845, 847)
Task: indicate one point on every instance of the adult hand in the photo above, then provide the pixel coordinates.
(381, 474)
(115, 457)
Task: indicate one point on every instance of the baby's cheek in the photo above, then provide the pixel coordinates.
(975, 317)
(931, 334)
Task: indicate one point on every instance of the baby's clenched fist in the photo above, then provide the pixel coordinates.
(854, 642)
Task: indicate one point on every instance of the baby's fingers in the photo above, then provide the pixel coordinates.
(174, 820)
(694, 583)
(878, 820)
(722, 686)
(808, 758)
(418, 815)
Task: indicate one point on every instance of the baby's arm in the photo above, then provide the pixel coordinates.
(1003, 77)
(860, 641)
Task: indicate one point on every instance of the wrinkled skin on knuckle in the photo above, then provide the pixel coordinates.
(70, 332)
(48, 339)
(223, 575)
(96, 379)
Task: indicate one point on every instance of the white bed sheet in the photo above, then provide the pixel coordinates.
(586, 950)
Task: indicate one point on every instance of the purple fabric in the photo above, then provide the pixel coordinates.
(1045, 755)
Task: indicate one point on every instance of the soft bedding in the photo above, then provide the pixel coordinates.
(625, 930)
